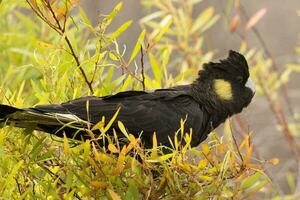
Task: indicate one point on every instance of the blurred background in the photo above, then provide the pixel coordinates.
(276, 34)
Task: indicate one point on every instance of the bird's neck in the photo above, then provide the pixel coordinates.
(208, 100)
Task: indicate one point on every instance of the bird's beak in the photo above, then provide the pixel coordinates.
(249, 84)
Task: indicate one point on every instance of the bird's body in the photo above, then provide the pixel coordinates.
(220, 91)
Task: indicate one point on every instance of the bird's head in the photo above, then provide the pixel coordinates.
(225, 86)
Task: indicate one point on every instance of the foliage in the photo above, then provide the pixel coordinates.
(54, 54)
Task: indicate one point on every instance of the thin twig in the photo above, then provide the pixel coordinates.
(19, 188)
(142, 71)
(57, 177)
(235, 143)
(96, 63)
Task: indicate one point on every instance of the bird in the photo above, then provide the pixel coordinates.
(221, 89)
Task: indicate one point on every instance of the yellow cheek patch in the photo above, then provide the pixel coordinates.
(223, 89)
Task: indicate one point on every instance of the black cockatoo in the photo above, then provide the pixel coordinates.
(221, 90)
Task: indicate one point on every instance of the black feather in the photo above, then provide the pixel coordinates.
(144, 113)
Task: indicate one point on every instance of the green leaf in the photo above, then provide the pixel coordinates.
(164, 26)
(119, 31)
(138, 46)
(37, 148)
(250, 180)
(85, 19)
(125, 84)
(113, 14)
(111, 121)
(132, 191)
(113, 56)
(224, 165)
(258, 186)
(152, 16)
(155, 68)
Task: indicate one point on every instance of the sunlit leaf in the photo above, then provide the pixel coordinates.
(250, 180)
(157, 71)
(120, 30)
(123, 129)
(113, 195)
(205, 148)
(99, 184)
(165, 157)
(138, 46)
(66, 145)
(164, 26)
(114, 13)
(112, 148)
(111, 121)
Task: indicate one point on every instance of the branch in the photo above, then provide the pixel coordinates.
(142, 65)
(62, 32)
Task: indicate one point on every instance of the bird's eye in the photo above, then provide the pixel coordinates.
(240, 79)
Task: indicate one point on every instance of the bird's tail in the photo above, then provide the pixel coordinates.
(51, 122)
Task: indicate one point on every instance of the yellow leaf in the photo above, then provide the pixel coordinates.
(123, 129)
(248, 154)
(99, 184)
(120, 163)
(113, 195)
(66, 145)
(165, 157)
(132, 138)
(118, 170)
(113, 148)
(205, 148)
(99, 126)
(206, 178)
(101, 156)
(46, 45)
(202, 164)
(186, 167)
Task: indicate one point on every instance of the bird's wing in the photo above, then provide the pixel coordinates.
(140, 112)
